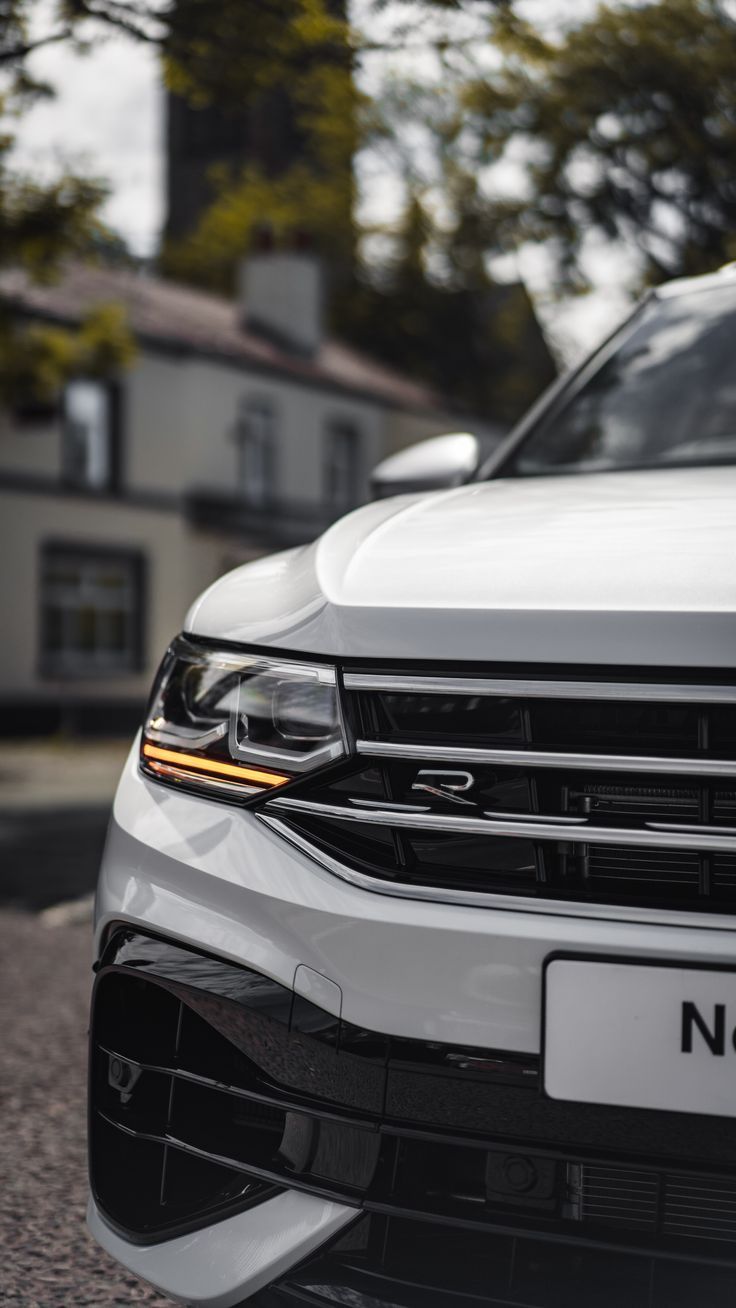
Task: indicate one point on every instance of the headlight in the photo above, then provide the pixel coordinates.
(236, 725)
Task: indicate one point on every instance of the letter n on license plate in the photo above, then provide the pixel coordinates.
(640, 1035)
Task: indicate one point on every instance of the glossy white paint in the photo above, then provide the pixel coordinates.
(441, 461)
(631, 567)
(218, 1266)
(214, 876)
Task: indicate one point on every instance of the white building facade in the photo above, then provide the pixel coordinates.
(224, 440)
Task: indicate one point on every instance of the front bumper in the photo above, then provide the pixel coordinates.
(218, 1265)
(397, 1045)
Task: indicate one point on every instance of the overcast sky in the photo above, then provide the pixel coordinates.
(108, 120)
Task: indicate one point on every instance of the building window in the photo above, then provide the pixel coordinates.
(341, 467)
(255, 436)
(88, 455)
(91, 611)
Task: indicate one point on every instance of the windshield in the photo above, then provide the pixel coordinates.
(665, 398)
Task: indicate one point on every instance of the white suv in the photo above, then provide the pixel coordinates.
(416, 925)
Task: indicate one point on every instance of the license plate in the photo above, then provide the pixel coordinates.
(640, 1035)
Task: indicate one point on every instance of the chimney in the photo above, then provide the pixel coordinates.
(280, 296)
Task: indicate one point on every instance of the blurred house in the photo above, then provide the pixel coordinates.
(240, 429)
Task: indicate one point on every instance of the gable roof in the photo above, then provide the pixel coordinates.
(199, 322)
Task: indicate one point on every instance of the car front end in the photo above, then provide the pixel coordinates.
(415, 927)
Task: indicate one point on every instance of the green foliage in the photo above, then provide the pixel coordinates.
(628, 120)
(299, 200)
(315, 195)
(472, 339)
(41, 225)
(233, 51)
(232, 54)
(616, 128)
(36, 359)
(429, 308)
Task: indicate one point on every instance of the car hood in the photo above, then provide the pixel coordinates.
(634, 568)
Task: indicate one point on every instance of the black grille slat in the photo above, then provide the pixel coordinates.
(699, 1208)
(655, 763)
(610, 726)
(702, 1208)
(676, 867)
(723, 872)
(615, 1197)
(639, 802)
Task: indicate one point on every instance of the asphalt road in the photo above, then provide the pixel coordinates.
(51, 856)
(55, 800)
(47, 1259)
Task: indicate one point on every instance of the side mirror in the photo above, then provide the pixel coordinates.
(435, 464)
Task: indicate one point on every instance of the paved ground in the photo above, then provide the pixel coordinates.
(55, 799)
(51, 775)
(50, 857)
(47, 1259)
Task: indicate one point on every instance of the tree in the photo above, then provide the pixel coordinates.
(232, 52)
(428, 305)
(314, 193)
(40, 226)
(471, 338)
(250, 51)
(628, 124)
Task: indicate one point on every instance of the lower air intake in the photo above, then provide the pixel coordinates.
(156, 1168)
(680, 1206)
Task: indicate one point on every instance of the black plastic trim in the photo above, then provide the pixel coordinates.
(376, 1103)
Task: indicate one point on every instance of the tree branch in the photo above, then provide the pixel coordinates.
(14, 53)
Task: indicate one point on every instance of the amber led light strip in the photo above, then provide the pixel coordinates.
(255, 775)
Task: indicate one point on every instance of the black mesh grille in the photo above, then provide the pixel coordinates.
(613, 1196)
(679, 1206)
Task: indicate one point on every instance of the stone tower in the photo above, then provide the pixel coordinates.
(263, 134)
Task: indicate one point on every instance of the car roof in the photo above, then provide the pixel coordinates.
(706, 282)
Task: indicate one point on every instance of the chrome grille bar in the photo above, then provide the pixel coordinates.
(447, 894)
(712, 767)
(529, 830)
(519, 689)
(655, 822)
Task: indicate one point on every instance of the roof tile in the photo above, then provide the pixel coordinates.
(202, 322)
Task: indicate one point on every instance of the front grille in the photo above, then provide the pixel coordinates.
(612, 1196)
(592, 792)
(678, 1206)
(398, 1263)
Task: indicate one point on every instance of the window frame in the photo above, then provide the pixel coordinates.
(53, 667)
(559, 394)
(264, 406)
(338, 425)
(112, 483)
(500, 464)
